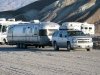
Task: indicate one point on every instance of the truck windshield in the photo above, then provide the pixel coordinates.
(51, 31)
(75, 33)
(45, 32)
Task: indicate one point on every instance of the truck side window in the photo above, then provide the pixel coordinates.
(55, 33)
(60, 35)
(65, 35)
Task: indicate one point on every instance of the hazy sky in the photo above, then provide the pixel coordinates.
(13, 4)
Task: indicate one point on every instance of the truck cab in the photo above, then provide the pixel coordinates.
(71, 39)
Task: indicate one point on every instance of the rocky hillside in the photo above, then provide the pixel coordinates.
(58, 11)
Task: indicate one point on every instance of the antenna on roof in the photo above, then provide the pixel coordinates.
(35, 21)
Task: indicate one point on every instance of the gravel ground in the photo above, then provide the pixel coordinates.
(34, 61)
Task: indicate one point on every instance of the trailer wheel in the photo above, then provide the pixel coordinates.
(39, 46)
(56, 47)
(42, 46)
(24, 46)
(18, 45)
(68, 46)
(36, 46)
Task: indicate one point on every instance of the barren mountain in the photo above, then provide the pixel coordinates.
(58, 11)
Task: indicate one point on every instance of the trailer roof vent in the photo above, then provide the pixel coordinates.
(12, 19)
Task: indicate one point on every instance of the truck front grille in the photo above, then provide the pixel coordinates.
(83, 41)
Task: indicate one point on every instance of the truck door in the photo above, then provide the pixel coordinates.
(63, 38)
(60, 39)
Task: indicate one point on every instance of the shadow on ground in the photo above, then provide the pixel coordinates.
(32, 49)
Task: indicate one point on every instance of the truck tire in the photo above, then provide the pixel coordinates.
(68, 46)
(56, 48)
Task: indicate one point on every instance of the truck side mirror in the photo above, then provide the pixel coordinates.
(60, 35)
(65, 35)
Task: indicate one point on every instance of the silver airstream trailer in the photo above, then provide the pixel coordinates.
(36, 34)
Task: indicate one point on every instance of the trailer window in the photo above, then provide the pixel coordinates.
(90, 28)
(86, 28)
(42, 32)
(81, 27)
(35, 31)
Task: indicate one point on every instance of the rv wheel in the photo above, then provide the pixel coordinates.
(4, 42)
(88, 49)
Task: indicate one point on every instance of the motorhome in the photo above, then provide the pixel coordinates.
(86, 28)
(36, 34)
(3, 28)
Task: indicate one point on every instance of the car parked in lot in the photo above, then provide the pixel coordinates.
(71, 39)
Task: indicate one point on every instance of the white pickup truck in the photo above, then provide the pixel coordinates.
(71, 39)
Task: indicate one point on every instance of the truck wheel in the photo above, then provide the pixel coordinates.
(68, 46)
(56, 47)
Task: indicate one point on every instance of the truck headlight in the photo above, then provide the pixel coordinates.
(74, 41)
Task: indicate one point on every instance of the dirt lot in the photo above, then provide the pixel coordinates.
(34, 61)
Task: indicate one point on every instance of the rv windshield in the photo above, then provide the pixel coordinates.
(0, 27)
(75, 33)
(4, 29)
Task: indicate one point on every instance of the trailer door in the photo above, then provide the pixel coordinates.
(32, 34)
(35, 34)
